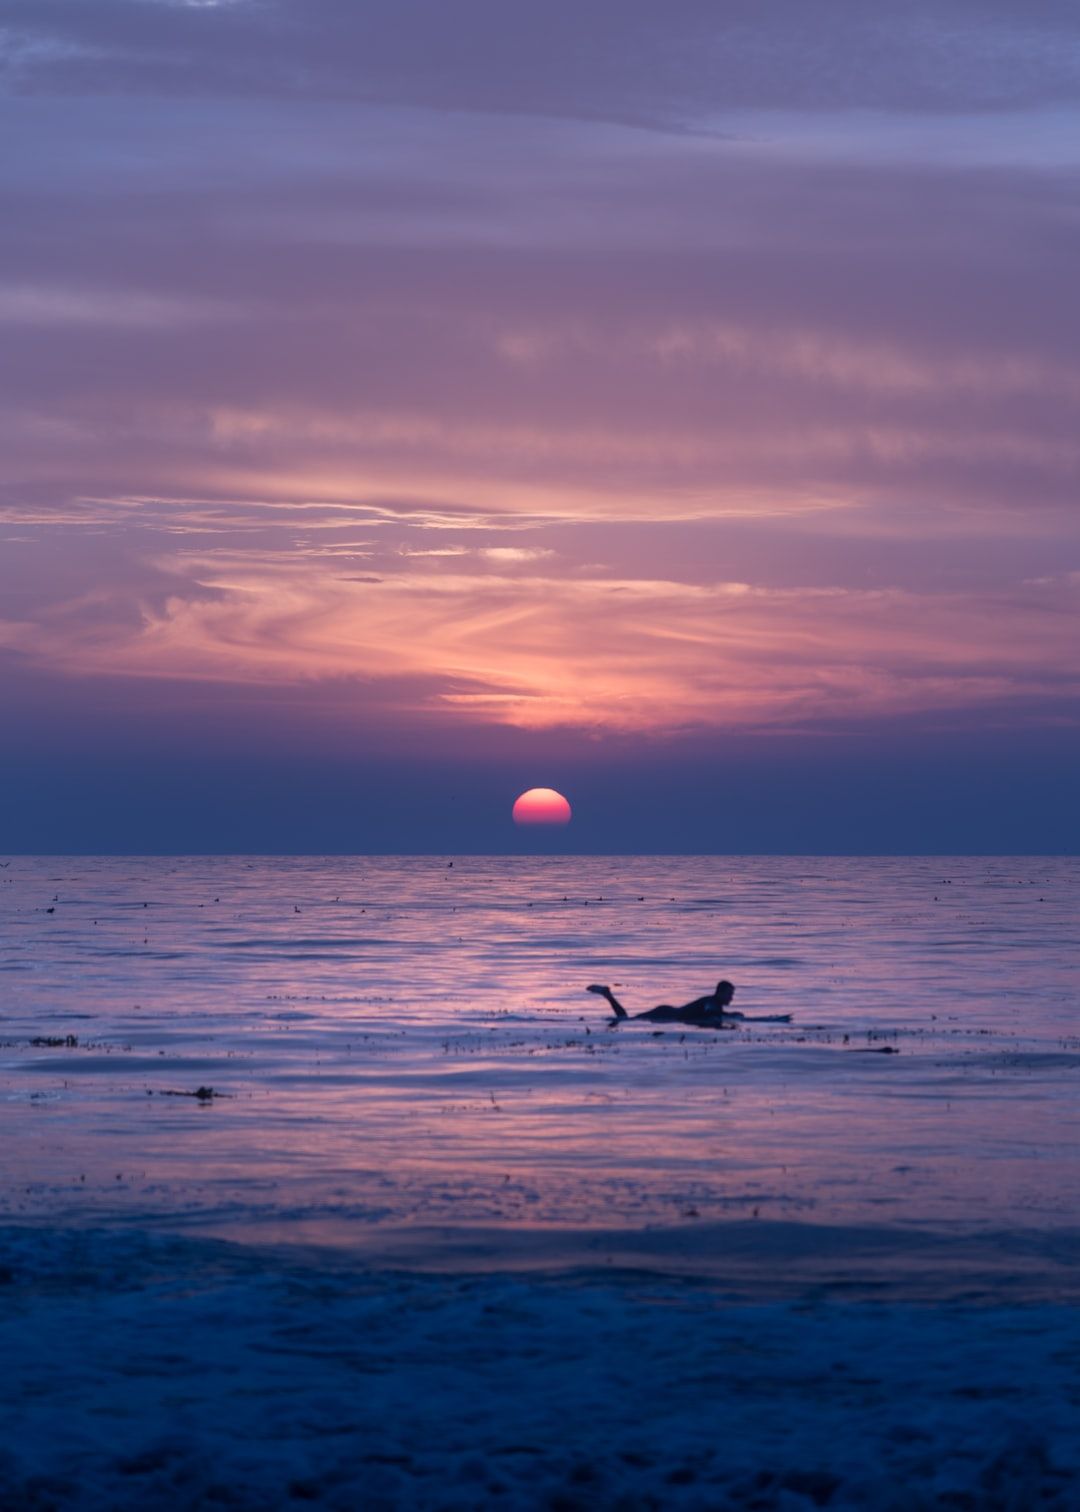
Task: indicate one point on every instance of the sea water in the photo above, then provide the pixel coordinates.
(435, 1236)
(400, 1051)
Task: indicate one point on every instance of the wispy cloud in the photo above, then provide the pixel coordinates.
(38, 304)
(656, 64)
(591, 653)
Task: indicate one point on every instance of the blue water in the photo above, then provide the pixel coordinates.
(403, 1046)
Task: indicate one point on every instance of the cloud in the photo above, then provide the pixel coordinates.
(509, 556)
(37, 305)
(572, 331)
(648, 656)
(669, 64)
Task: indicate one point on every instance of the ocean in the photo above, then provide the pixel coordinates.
(351, 1131)
(406, 1044)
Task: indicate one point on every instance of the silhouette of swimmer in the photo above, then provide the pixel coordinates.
(711, 1010)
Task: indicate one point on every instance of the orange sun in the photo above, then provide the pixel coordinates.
(541, 806)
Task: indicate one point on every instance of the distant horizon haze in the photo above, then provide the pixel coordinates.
(848, 796)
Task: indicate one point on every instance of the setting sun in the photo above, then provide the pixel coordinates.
(541, 806)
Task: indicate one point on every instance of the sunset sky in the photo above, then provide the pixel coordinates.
(671, 402)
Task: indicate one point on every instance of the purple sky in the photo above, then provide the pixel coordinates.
(403, 400)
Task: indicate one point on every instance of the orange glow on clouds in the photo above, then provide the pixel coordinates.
(535, 644)
(541, 806)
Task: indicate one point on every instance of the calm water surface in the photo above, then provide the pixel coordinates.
(402, 1043)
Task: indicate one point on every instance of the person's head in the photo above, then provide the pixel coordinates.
(725, 991)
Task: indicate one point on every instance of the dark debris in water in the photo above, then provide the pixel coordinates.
(201, 1094)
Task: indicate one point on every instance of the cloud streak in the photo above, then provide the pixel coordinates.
(657, 64)
(541, 651)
